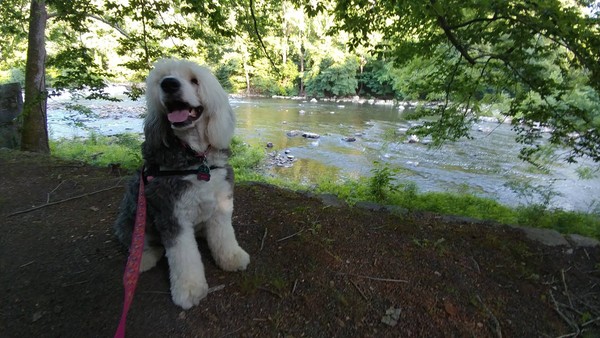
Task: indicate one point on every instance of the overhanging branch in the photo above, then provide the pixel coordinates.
(450, 35)
(114, 26)
(255, 26)
(100, 19)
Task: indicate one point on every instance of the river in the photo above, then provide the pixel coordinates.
(484, 165)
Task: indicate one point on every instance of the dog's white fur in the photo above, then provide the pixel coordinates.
(205, 206)
(218, 118)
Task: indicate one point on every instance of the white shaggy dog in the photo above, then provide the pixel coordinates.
(189, 186)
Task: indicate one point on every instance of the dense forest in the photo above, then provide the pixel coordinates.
(293, 54)
(536, 62)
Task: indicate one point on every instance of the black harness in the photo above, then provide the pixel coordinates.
(202, 173)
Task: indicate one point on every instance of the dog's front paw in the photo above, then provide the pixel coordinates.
(188, 292)
(235, 260)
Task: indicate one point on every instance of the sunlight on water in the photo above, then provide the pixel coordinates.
(481, 166)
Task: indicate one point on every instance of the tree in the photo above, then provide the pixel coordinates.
(76, 68)
(541, 55)
(538, 57)
(333, 78)
(35, 131)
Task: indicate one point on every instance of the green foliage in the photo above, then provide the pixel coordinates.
(383, 188)
(587, 173)
(125, 150)
(12, 75)
(381, 183)
(376, 80)
(331, 78)
(101, 150)
(536, 54)
(226, 72)
(563, 221)
(531, 193)
(245, 160)
(536, 59)
(14, 14)
(78, 73)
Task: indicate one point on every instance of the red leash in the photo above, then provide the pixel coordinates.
(132, 269)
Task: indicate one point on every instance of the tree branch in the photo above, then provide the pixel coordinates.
(477, 20)
(62, 201)
(448, 31)
(255, 26)
(115, 26)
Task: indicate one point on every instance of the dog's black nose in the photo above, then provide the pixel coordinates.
(170, 85)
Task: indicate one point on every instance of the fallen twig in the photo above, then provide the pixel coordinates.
(359, 290)
(75, 283)
(586, 253)
(375, 278)
(290, 236)
(497, 328)
(62, 201)
(232, 332)
(53, 190)
(476, 265)
(270, 291)
(563, 316)
(590, 321)
(216, 288)
(568, 335)
(26, 264)
(262, 243)
(562, 272)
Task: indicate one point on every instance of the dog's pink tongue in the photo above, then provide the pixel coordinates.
(178, 116)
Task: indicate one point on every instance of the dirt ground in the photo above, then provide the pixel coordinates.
(318, 269)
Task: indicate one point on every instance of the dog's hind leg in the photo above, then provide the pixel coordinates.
(188, 283)
(221, 238)
(151, 255)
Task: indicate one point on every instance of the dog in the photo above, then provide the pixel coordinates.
(189, 190)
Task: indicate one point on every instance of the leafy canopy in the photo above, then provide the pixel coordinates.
(542, 55)
(538, 58)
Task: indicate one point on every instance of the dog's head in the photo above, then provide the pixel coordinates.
(184, 98)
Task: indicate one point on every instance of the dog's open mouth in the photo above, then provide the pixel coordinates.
(181, 114)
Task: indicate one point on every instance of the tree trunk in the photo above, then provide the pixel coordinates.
(35, 126)
(301, 53)
(11, 105)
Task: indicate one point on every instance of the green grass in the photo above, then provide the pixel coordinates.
(382, 187)
(101, 150)
(245, 160)
(125, 150)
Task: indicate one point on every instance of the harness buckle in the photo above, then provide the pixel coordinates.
(203, 172)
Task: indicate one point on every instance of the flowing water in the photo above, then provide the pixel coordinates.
(482, 166)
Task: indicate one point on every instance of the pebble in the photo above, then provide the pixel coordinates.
(391, 316)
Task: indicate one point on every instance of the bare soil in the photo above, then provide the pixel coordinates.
(317, 270)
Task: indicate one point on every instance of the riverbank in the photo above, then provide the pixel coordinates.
(486, 166)
(122, 153)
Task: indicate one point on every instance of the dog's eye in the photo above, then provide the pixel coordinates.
(194, 81)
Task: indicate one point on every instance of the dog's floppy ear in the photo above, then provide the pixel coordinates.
(156, 127)
(220, 116)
